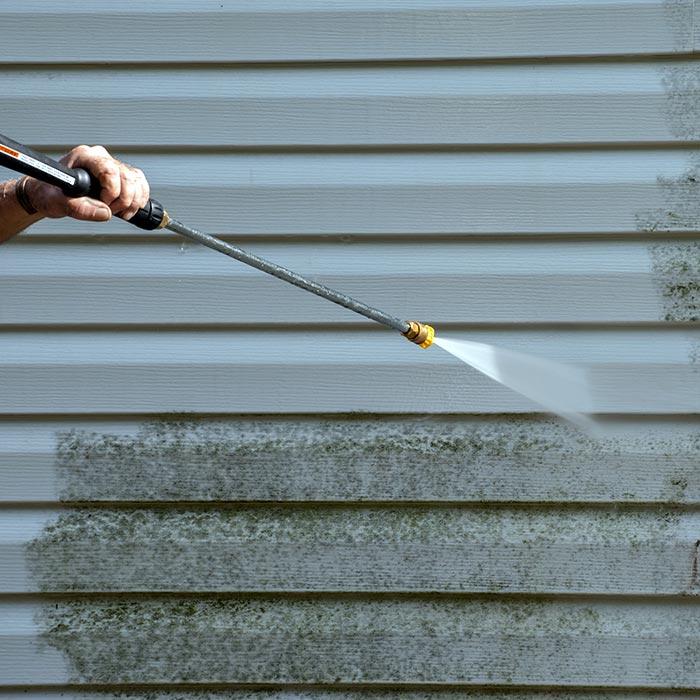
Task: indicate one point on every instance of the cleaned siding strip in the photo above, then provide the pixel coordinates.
(635, 371)
(296, 550)
(432, 193)
(263, 640)
(344, 106)
(356, 30)
(465, 458)
(67, 283)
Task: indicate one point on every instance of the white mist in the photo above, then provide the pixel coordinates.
(559, 388)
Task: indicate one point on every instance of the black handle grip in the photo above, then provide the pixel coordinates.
(74, 182)
(148, 217)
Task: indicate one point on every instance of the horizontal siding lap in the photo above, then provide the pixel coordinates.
(262, 640)
(359, 550)
(534, 104)
(270, 371)
(426, 194)
(358, 30)
(66, 283)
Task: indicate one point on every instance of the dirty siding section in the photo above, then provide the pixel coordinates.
(213, 486)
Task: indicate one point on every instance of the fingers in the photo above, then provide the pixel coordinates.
(98, 162)
(142, 193)
(124, 189)
(87, 209)
(52, 203)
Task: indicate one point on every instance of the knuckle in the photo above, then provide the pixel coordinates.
(106, 163)
(108, 171)
(100, 150)
(123, 201)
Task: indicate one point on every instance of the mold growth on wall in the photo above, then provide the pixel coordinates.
(316, 459)
(681, 82)
(298, 549)
(331, 640)
(679, 18)
(310, 640)
(676, 265)
(681, 211)
(365, 458)
(676, 270)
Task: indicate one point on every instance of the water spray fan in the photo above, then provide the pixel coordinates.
(77, 182)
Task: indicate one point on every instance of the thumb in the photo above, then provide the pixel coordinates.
(87, 209)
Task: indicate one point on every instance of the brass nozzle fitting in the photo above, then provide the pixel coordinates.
(166, 220)
(420, 333)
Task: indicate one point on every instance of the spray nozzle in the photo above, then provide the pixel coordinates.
(420, 333)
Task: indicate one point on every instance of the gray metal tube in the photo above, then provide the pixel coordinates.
(288, 276)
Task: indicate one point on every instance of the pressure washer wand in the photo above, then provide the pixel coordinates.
(77, 182)
(287, 275)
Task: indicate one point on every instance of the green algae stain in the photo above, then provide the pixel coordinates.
(268, 640)
(470, 460)
(676, 271)
(679, 18)
(348, 549)
(676, 265)
(681, 210)
(296, 460)
(681, 82)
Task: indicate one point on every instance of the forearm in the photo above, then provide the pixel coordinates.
(13, 218)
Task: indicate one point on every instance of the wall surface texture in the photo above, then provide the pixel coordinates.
(215, 486)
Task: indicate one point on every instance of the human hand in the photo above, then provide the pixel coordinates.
(124, 189)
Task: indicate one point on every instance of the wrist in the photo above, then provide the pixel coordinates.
(23, 196)
(13, 217)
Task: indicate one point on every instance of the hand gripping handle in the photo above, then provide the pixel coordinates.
(74, 182)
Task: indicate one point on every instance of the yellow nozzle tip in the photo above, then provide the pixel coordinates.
(420, 333)
(431, 336)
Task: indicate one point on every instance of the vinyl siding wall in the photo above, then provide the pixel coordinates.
(213, 485)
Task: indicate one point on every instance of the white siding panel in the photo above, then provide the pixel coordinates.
(420, 193)
(274, 371)
(71, 283)
(218, 107)
(619, 643)
(358, 30)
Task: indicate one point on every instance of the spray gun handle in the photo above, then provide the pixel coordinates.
(74, 182)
